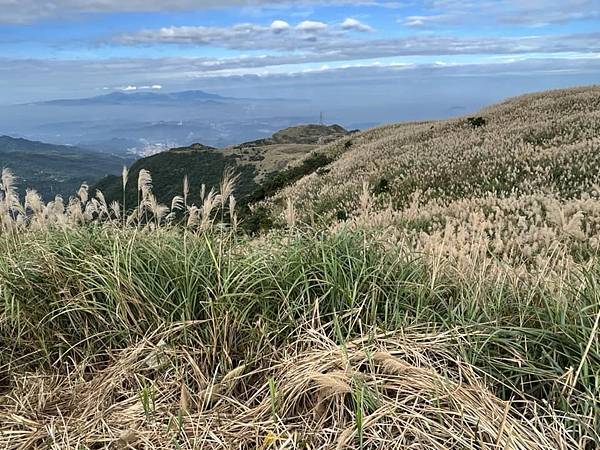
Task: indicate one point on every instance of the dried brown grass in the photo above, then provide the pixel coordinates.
(412, 389)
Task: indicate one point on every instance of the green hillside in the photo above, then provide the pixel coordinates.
(254, 162)
(202, 165)
(55, 169)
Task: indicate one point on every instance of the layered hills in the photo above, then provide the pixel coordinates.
(55, 169)
(253, 161)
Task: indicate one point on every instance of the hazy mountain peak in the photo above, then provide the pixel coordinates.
(136, 98)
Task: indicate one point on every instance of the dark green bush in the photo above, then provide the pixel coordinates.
(382, 186)
(476, 122)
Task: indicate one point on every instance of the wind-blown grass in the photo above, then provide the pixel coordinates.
(84, 303)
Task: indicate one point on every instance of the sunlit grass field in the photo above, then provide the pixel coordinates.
(435, 287)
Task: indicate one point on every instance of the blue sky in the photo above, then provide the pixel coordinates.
(74, 48)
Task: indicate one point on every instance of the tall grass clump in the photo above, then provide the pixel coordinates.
(78, 301)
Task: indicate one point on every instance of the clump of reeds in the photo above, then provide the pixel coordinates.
(86, 209)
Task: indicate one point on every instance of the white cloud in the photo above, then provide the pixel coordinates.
(415, 21)
(311, 26)
(311, 41)
(279, 26)
(132, 87)
(148, 71)
(280, 35)
(355, 25)
(525, 12)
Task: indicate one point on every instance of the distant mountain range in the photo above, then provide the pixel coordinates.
(143, 122)
(151, 98)
(55, 169)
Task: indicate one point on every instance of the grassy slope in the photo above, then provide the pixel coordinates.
(331, 338)
(529, 144)
(524, 186)
(80, 303)
(55, 169)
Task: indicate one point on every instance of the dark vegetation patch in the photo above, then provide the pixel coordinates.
(168, 171)
(381, 186)
(276, 181)
(477, 122)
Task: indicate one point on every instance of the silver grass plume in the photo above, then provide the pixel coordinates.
(158, 210)
(59, 205)
(290, 213)
(91, 208)
(177, 203)
(144, 183)
(33, 201)
(83, 193)
(103, 207)
(74, 211)
(115, 209)
(207, 207)
(193, 216)
(11, 198)
(365, 199)
(232, 213)
(8, 181)
(125, 176)
(227, 185)
(186, 190)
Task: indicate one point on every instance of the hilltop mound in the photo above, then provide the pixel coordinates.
(300, 134)
(309, 134)
(192, 149)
